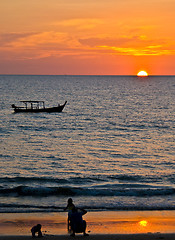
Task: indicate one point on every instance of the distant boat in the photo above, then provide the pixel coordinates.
(37, 106)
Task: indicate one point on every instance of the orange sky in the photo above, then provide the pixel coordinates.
(87, 37)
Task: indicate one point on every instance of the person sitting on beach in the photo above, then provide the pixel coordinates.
(77, 223)
(36, 229)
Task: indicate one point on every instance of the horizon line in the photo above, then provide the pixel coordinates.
(117, 75)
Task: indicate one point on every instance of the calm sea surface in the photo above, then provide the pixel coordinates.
(112, 147)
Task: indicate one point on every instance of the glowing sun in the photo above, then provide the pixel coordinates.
(142, 74)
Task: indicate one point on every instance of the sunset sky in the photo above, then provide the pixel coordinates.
(118, 37)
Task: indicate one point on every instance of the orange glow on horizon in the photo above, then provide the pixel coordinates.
(65, 37)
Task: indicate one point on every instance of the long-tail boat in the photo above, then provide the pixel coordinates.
(37, 106)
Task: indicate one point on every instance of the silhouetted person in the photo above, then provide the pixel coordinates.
(36, 229)
(77, 223)
(69, 207)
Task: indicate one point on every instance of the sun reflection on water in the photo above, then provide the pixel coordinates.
(143, 223)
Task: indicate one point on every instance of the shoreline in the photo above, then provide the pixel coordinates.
(98, 223)
(148, 236)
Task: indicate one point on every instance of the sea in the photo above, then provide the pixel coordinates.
(112, 148)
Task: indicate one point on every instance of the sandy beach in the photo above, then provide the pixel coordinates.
(117, 225)
(100, 237)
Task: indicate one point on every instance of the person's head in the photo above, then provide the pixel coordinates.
(38, 226)
(70, 201)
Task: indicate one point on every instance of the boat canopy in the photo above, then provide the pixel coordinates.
(34, 103)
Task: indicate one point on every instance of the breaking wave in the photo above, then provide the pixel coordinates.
(114, 190)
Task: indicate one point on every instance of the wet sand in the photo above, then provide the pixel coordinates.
(100, 237)
(116, 225)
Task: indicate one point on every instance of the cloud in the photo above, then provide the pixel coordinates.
(154, 50)
(38, 39)
(120, 41)
(39, 45)
(7, 38)
(135, 45)
(58, 44)
(79, 23)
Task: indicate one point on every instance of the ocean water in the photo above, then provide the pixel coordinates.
(112, 147)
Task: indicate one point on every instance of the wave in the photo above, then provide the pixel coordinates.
(84, 180)
(121, 185)
(24, 208)
(34, 180)
(106, 190)
(18, 180)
